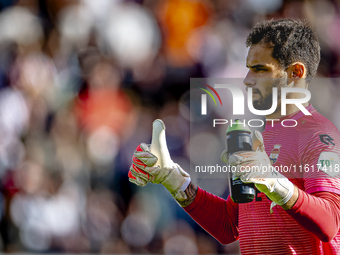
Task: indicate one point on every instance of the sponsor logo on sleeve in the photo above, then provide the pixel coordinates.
(329, 163)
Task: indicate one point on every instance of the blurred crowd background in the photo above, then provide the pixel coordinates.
(80, 84)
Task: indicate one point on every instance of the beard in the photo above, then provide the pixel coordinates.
(265, 101)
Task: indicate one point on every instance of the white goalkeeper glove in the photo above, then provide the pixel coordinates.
(154, 164)
(255, 167)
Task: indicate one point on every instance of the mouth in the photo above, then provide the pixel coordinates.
(256, 91)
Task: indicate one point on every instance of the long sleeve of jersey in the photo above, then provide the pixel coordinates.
(219, 217)
(318, 213)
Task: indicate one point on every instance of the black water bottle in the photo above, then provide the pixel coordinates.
(239, 139)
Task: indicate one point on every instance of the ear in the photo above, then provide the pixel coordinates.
(296, 71)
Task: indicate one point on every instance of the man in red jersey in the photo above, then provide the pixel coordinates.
(306, 220)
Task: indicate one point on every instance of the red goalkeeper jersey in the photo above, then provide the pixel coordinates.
(309, 156)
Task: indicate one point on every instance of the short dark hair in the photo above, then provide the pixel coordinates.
(291, 40)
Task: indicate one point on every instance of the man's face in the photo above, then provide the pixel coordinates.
(264, 74)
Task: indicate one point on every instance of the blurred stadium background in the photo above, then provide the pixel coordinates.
(80, 84)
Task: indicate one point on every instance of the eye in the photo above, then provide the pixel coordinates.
(260, 69)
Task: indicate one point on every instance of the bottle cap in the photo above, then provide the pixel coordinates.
(238, 126)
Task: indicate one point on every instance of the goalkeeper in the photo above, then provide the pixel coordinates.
(306, 218)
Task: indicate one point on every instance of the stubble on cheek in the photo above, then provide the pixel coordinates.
(264, 101)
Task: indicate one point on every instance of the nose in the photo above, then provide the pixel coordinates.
(249, 81)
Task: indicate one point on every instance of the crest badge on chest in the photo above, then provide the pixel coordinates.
(275, 153)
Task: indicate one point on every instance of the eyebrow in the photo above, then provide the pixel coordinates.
(257, 66)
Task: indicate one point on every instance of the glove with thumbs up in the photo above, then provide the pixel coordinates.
(154, 164)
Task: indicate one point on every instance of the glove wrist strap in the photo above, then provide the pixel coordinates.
(185, 184)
